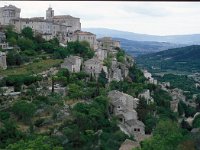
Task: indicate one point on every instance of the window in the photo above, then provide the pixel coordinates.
(135, 129)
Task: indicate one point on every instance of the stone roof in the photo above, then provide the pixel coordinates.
(78, 32)
(93, 60)
(71, 59)
(35, 19)
(10, 7)
(64, 17)
(129, 145)
(134, 122)
(195, 130)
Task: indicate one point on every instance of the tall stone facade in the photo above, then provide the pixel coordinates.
(8, 13)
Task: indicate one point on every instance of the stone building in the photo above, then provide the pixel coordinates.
(149, 77)
(72, 63)
(53, 26)
(146, 95)
(101, 54)
(3, 63)
(69, 21)
(177, 96)
(8, 13)
(93, 66)
(108, 43)
(123, 106)
(85, 36)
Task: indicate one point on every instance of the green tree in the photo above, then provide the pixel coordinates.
(27, 32)
(13, 58)
(25, 44)
(9, 133)
(10, 33)
(24, 110)
(196, 122)
(39, 143)
(166, 136)
(102, 78)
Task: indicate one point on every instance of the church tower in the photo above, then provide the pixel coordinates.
(49, 14)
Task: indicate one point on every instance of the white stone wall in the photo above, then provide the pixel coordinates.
(68, 21)
(101, 54)
(90, 38)
(72, 66)
(93, 66)
(7, 13)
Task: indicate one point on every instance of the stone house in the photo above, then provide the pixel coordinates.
(177, 95)
(115, 74)
(122, 100)
(147, 75)
(129, 145)
(85, 36)
(136, 127)
(174, 105)
(146, 95)
(93, 66)
(101, 54)
(72, 63)
(108, 43)
(123, 106)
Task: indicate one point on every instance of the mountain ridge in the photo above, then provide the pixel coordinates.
(178, 39)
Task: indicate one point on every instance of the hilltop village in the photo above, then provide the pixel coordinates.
(61, 84)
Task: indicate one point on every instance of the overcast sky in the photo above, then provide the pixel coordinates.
(156, 18)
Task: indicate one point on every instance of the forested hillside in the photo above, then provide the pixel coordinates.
(185, 59)
(38, 116)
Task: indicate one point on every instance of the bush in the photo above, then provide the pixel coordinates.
(24, 110)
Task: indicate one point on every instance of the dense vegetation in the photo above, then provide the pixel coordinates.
(30, 47)
(42, 119)
(182, 82)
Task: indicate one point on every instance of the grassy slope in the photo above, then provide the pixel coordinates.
(32, 68)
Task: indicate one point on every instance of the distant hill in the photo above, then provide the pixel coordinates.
(186, 59)
(136, 48)
(192, 39)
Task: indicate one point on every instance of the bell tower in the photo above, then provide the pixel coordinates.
(49, 14)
